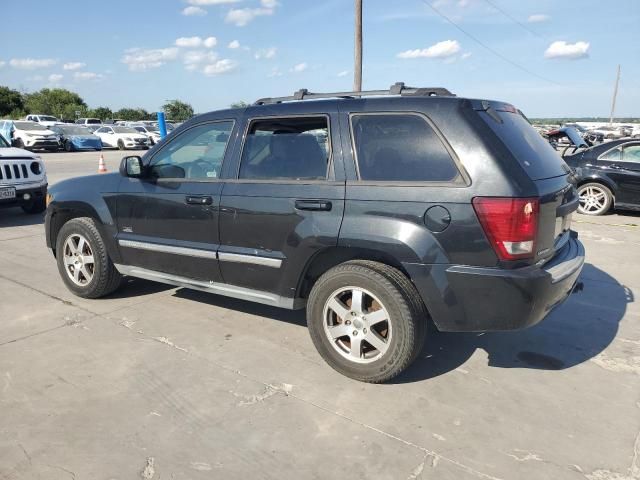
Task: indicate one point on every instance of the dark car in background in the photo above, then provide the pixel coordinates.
(77, 137)
(377, 211)
(608, 175)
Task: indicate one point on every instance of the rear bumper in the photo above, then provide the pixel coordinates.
(34, 193)
(463, 298)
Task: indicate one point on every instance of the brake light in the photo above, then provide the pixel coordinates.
(511, 224)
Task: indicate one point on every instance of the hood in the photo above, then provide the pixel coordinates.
(41, 133)
(83, 137)
(15, 152)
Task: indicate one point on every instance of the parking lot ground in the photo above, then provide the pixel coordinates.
(166, 383)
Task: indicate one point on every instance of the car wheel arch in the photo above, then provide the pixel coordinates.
(61, 216)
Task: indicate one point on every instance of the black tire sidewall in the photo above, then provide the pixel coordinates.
(97, 247)
(383, 368)
(120, 145)
(37, 205)
(607, 192)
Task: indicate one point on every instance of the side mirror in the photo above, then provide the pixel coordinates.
(131, 167)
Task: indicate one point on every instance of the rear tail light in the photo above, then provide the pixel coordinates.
(511, 224)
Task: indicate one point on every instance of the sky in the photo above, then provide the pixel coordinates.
(549, 58)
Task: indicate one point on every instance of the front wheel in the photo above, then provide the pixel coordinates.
(595, 199)
(366, 320)
(83, 261)
(68, 146)
(121, 145)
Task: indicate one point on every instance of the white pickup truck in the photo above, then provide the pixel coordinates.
(23, 180)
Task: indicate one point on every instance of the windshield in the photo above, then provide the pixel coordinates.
(48, 118)
(3, 142)
(124, 130)
(29, 126)
(73, 130)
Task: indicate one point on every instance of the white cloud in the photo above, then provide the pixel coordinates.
(343, 73)
(2, 63)
(193, 11)
(567, 51)
(73, 65)
(444, 49)
(35, 78)
(141, 59)
(269, 3)
(465, 55)
(220, 67)
(265, 53)
(275, 72)
(189, 42)
(211, 2)
(87, 76)
(538, 18)
(32, 63)
(210, 42)
(196, 57)
(301, 67)
(55, 77)
(234, 44)
(242, 16)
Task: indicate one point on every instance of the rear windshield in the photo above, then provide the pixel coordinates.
(532, 151)
(94, 121)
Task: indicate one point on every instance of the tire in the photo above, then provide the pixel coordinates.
(68, 146)
(104, 278)
(19, 143)
(400, 336)
(121, 145)
(595, 199)
(36, 205)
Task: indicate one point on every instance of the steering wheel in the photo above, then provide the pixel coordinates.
(199, 169)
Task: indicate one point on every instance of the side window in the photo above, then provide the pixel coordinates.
(400, 147)
(612, 155)
(295, 148)
(631, 154)
(197, 153)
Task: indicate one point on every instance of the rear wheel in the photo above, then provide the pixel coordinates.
(595, 199)
(366, 320)
(83, 261)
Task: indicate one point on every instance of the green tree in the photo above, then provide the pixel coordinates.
(10, 102)
(131, 114)
(177, 110)
(240, 104)
(56, 101)
(102, 113)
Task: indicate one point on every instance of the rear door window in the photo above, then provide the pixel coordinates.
(294, 148)
(529, 148)
(400, 148)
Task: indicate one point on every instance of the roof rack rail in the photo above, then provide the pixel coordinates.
(397, 88)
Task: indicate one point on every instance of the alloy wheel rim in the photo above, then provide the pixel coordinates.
(592, 199)
(79, 262)
(357, 324)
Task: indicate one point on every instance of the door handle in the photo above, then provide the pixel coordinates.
(199, 200)
(323, 205)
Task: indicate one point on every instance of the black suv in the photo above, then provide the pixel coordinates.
(376, 211)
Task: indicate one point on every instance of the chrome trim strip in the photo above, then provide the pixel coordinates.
(240, 258)
(213, 287)
(156, 247)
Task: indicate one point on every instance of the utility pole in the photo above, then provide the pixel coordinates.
(357, 69)
(615, 94)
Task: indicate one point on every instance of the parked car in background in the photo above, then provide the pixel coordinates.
(608, 175)
(116, 136)
(77, 137)
(46, 120)
(23, 181)
(29, 135)
(152, 134)
(607, 132)
(377, 215)
(93, 127)
(89, 121)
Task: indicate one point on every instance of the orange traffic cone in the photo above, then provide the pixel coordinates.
(102, 168)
